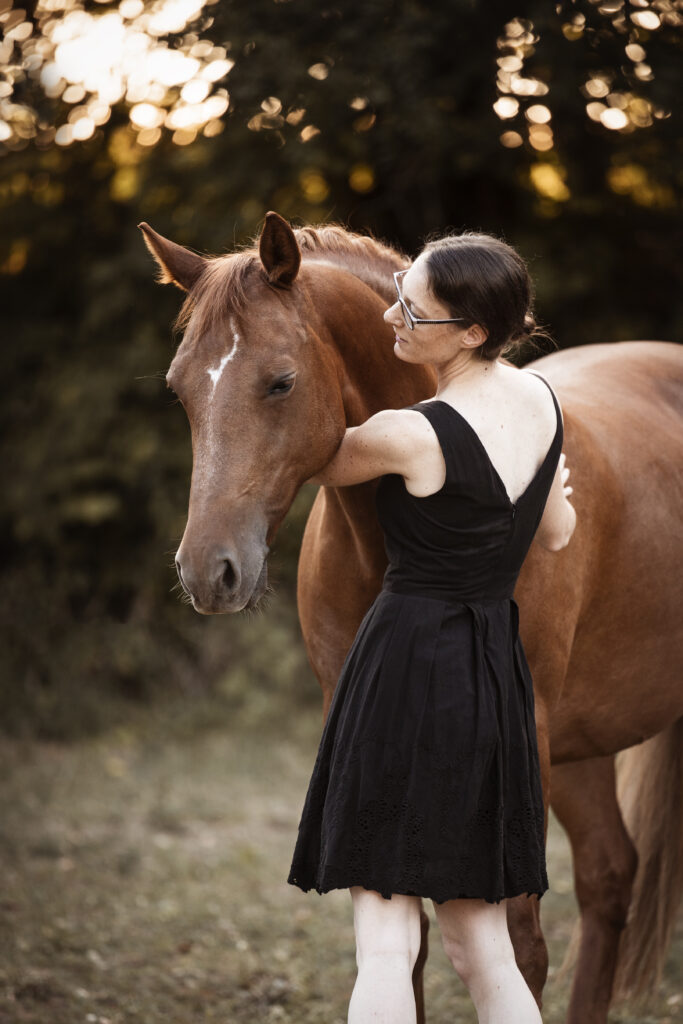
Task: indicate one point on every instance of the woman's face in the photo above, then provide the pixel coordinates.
(427, 343)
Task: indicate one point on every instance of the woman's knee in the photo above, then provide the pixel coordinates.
(475, 938)
(386, 928)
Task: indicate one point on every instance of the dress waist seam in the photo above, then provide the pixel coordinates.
(433, 595)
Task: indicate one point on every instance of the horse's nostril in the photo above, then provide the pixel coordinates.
(228, 575)
(179, 570)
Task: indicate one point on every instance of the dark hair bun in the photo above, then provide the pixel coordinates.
(527, 329)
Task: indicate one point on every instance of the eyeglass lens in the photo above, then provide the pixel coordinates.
(404, 309)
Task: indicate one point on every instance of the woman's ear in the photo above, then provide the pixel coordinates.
(475, 337)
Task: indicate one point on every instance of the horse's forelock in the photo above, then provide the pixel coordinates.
(221, 289)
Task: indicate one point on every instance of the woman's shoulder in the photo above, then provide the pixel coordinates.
(541, 386)
(523, 404)
(404, 426)
(529, 377)
(525, 383)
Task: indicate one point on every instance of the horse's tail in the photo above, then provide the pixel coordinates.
(650, 794)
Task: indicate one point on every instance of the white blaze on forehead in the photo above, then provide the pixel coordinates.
(216, 373)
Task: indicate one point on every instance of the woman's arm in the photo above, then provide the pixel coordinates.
(391, 441)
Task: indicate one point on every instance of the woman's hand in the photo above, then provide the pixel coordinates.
(564, 472)
(558, 521)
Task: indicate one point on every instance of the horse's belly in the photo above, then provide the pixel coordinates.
(617, 693)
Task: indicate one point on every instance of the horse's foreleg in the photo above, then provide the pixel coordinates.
(583, 796)
(418, 969)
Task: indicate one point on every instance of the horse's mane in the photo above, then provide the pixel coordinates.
(224, 281)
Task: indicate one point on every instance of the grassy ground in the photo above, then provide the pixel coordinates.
(144, 881)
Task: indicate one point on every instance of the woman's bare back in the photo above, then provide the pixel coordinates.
(514, 419)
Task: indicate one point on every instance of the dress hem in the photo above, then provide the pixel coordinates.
(422, 895)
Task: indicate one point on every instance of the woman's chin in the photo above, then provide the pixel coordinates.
(400, 348)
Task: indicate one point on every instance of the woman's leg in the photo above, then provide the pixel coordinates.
(387, 944)
(477, 942)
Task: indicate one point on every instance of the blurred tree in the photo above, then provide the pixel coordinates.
(404, 118)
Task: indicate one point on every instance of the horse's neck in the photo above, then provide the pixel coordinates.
(371, 261)
(378, 275)
(371, 377)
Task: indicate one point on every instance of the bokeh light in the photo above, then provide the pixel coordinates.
(548, 180)
(362, 178)
(613, 107)
(613, 118)
(538, 114)
(150, 57)
(314, 185)
(319, 71)
(98, 60)
(506, 107)
(511, 140)
(633, 180)
(308, 133)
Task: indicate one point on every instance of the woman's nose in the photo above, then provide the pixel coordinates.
(390, 313)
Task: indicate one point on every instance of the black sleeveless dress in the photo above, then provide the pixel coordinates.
(427, 778)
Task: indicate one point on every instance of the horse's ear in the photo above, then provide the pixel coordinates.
(279, 252)
(177, 265)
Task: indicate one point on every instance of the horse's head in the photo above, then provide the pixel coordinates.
(265, 393)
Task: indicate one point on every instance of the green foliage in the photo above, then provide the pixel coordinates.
(98, 459)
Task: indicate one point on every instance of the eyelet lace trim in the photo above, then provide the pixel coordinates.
(393, 844)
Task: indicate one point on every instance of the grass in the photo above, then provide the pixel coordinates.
(145, 881)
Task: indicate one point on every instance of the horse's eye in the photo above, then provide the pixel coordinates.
(282, 386)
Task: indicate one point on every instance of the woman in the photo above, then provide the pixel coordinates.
(427, 779)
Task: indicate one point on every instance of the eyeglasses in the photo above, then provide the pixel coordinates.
(411, 320)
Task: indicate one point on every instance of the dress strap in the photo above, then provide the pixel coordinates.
(558, 409)
(442, 426)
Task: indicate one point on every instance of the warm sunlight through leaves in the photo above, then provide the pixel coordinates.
(93, 61)
(67, 63)
(622, 110)
(548, 182)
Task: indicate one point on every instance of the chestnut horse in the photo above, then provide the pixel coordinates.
(285, 346)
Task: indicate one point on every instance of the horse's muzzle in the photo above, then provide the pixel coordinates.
(219, 586)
